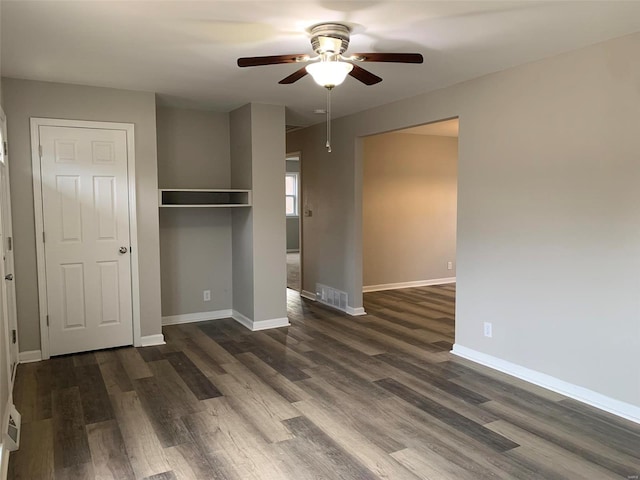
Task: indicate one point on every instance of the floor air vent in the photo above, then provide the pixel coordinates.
(12, 433)
(331, 296)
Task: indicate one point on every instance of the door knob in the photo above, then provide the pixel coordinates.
(8, 276)
(123, 250)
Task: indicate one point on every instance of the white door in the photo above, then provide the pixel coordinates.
(86, 238)
(6, 250)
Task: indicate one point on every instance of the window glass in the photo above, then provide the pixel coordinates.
(291, 194)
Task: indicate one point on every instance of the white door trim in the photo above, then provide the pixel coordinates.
(10, 294)
(36, 123)
(301, 212)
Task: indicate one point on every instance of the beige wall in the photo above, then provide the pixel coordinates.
(548, 208)
(408, 208)
(25, 99)
(195, 243)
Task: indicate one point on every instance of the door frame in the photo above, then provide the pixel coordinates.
(300, 212)
(36, 123)
(8, 291)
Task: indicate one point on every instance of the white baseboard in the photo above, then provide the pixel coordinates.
(196, 317)
(241, 319)
(595, 399)
(30, 356)
(355, 311)
(151, 340)
(417, 283)
(308, 295)
(255, 325)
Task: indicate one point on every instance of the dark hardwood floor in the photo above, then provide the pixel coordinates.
(331, 397)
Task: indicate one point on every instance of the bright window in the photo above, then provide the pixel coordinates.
(291, 192)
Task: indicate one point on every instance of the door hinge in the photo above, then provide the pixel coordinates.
(6, 148)
(43, 236)
(47, 320)
(40, 150)
(14, 336)
(10, 243)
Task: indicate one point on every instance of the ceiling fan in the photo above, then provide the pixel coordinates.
(330, 66)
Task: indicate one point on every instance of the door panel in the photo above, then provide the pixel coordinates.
(108, 295)
(70, 212)
(86, 222)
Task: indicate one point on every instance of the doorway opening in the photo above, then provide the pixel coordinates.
(409, 216)
(293, 193)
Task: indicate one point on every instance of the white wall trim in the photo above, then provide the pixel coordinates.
(30, 356)
(196, 317)
(39, 219)
(417, 283)
(308, 295)
(355, 312)
(271, 323)
(595, 399)
(255, 325)
(151, 340)
(241, 319)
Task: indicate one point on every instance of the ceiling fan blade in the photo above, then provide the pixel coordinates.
(272, 60)
(365, 76)
(389, 57)
(294, 77)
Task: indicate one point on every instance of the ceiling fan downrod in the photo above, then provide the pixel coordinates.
(328, 144)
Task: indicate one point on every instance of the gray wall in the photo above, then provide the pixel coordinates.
(293, 234)
(548, 209)
(408, 208)
(24, 99)
(293, 223)
(259, 240)
(242, 224)
(269, 236)
(193, 148)
(195, 243)
(331, 254)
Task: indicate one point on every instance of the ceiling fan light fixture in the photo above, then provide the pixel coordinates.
(329, 74)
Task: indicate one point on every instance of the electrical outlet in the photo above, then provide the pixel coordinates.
(206, 295)
(449, 265)
(488, 329)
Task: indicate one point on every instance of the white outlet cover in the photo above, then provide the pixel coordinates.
(488, 330)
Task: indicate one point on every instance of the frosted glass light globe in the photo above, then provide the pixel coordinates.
(329, 74)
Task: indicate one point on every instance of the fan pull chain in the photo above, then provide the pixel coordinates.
(328, 145)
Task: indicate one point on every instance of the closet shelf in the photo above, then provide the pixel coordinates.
(203, 198)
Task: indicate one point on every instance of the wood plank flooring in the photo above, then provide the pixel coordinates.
(330, 397)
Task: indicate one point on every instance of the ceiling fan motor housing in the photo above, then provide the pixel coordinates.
(332, 38)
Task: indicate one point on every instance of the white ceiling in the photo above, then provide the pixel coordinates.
(186, 50)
